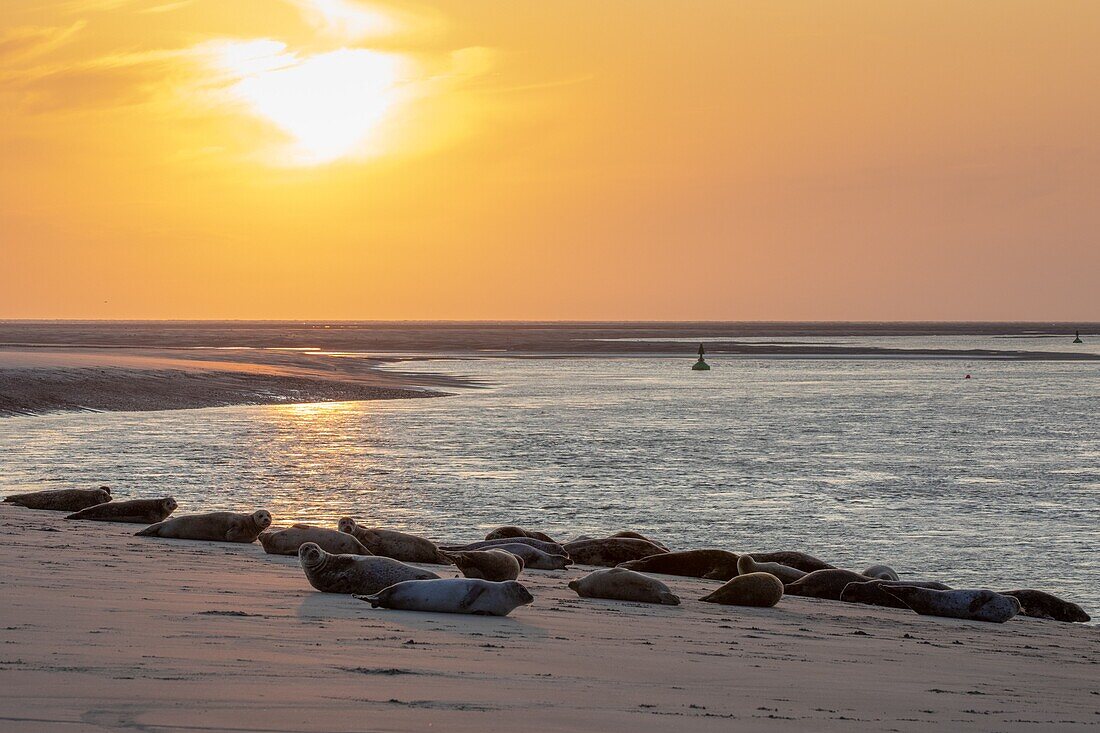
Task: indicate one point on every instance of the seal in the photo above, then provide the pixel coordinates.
(827, 584)
(639, 536)
(134, 511)
(762, 590)
(536, 559)
(611, 551)
(709, 564)
(881, 572)
(212, 527)
(972, 605)
(1039, 604)
(495, 565)
(747, 564)
(287, 541)
(620, 584)
(873, 593)
(61, 500)
(453, 595)
(797, 560)
(507, 532)
(391, 543)
(551, 548)
(347, 574)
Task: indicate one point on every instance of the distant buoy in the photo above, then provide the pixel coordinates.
(968, 376)
(1078, 339)
(701, 365)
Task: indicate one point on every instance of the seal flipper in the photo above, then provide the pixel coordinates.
(152, 530)
(375, 600)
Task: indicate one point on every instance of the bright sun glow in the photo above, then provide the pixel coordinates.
(328, 103)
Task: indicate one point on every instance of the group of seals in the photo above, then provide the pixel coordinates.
(61, 500)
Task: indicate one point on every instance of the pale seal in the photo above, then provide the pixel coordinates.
(747, 564)
(1038, 604)
(391, 543)
(620, 584)
(453, 595)
(212, 527)
(709, 564)
(881, 572)
(551, 548)
(495, 565)
(873, 592)
(536, 559)
(61, 500)
(330, 573)
(509, 531)
(797, 560)
(762, 590)
(134, 511)
(827, 584)
(286, 541)
(972, 605)
(611, 551)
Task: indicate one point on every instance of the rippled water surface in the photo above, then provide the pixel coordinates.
(990, 481)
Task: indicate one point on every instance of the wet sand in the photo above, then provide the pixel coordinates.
(101, 630)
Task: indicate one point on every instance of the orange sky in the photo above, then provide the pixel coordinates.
(524, 159)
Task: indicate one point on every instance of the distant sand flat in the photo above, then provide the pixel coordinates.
(102, 631)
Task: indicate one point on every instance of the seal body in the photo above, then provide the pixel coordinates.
(972, 605)
(762, 590)
(536, 559)
(620, 584)
(881, 572)
(710, 564)
(495, 565)
(510, 531)
(611, 551)
(873, 592)
(135, 511)
(391, 543)
(747, 564)
(550, 548)
(1038, 604)
(639, 536)
(61, 500)
(453, 595)
(827, 584)
(212, 527)
(287, 541)
(330, 573)
(798, 560)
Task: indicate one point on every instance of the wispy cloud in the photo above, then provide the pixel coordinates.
(20, 44)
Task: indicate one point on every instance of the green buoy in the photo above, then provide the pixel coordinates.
(701, 365)
(1078, 339)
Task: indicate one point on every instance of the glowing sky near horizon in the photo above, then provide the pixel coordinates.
(855, 159)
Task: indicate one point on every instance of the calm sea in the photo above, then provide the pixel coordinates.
(990, 481)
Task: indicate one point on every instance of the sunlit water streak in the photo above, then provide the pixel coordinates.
(992, 481)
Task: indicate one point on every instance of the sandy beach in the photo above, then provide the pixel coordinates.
(102, 630)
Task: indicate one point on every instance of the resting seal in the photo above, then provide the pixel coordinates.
(639, 536)
(287, 541)
(972, 605)
(135, 511)
(709, 564)
(391, 543)
(797, 560)
(550, 548)
(747, 564)
(827, 584)
(611, 551)
(881, 572)
(501, 533)
(495, 565)
(212, 527)
(873, 593)
(354, 573)
(61, 500)
(453, 595)
(536, 559)
(620, 584)
(1038, 604)
(762, 590)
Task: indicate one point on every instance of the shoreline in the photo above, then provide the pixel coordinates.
(196, 635)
